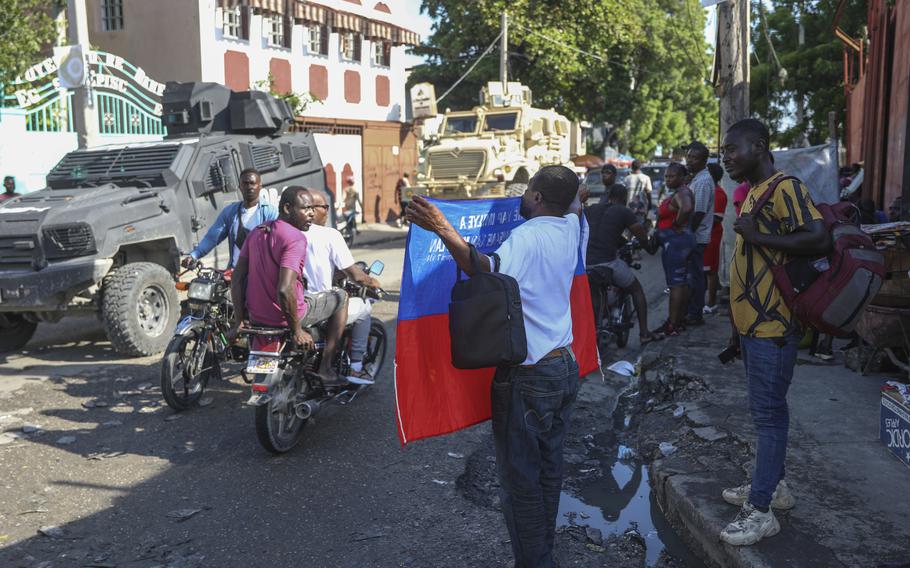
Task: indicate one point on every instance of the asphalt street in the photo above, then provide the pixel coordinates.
(97, 471)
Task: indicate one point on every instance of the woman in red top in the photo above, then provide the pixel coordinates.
(677, 243)
(712, 253)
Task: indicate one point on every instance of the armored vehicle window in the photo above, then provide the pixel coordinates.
(500, 122)
(222, 176)
(127, 166)
(265, 157)
(461, 125)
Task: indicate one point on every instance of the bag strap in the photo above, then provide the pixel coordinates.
(475, 263)
(759, 205)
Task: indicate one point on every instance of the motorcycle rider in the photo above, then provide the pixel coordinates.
(236, 220)
(272, 292)
(326, 253)
(608, 221)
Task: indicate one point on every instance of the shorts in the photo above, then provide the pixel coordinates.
(322, 305)
(675, 251)
(623, 277)
(712, 251)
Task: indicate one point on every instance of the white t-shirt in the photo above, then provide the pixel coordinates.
(325, 251)
(541, 254)
(246, 217)
(638, 183)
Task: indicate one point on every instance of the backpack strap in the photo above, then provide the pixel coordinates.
(756, 211)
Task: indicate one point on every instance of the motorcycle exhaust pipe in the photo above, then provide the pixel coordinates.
(306, 409)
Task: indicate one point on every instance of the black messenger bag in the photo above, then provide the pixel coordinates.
(486, 324)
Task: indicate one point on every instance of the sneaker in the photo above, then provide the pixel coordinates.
(708, 310)
(782, 499)
(359, 377)
(750, 526)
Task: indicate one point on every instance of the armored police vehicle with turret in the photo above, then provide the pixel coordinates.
(107, 233)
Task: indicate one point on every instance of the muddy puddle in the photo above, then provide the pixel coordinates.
(621, 502)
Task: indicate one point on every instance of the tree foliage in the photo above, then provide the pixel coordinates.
(26, 30)
(813, 71)
(649, 83)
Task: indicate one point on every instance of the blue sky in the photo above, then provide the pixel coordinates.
(422, 24)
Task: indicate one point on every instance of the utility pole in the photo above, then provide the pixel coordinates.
(732, 70)
(504, 54)
(84, 116)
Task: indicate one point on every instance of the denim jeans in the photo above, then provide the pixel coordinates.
(769, 368)
(676, 250)
(697, 282)
(531, 410)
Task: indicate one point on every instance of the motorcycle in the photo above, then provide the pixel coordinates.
(286, 390)
(614, 311)
(199, 347)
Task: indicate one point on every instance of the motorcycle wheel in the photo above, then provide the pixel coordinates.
(625, 323)
(185, 371)
(377, 343)
(278, 427)
(348, 233)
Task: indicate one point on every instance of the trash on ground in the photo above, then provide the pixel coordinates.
(51, 531)
(183, 514)
(679, 412)
(440, 482)
(625, 453)
(624, 368)
(455, 455)
(66, 440)
(666, 448)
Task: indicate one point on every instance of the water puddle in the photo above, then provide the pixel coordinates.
(621, 501)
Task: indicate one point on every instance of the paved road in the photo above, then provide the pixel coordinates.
(119, 479)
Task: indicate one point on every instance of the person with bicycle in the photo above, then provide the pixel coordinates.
(327, 253)
(267, 287)
(235, 221)
(608, 222)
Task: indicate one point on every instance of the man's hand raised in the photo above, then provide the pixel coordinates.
(426, 215)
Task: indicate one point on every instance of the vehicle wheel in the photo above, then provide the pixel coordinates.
(15, 332)
(377, 344)
(521, 176)
(622, 337)
(139, 307)
(348, 233)
(278, 427)
(186, 368)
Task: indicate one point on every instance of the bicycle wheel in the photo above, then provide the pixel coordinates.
(186, 367)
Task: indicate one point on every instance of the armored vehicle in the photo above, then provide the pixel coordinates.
(505, 140)
(107, 233)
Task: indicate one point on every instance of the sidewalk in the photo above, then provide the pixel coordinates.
(853, 505)
(372, 234)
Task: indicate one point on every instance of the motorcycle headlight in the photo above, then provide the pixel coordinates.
(201, 290)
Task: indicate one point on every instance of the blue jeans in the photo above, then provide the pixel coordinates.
(697, 282)
(676, 248)
(531, 410)
(769, 368)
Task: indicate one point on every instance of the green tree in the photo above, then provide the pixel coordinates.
(648, 78)
(794, 86)
(26, 31)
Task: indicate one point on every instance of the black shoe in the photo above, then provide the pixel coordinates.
(695, 320)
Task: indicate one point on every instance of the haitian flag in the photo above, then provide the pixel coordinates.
(433, 397)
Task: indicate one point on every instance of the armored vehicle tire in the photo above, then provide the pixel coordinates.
(15, 332)
(139, 308)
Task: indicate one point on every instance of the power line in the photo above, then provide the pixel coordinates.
(471, 68)
(572, 47)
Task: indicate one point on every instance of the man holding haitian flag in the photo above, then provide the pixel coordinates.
(531, 403)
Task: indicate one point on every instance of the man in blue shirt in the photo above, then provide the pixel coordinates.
(236, 220)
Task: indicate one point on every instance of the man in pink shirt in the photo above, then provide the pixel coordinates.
(267, 286)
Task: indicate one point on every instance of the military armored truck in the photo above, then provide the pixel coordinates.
(479, 152)
(107, 233)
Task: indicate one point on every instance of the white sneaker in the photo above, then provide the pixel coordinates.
(707, 310)
(750, 526)
(781, 499)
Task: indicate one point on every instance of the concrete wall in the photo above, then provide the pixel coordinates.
(342, 150)
(161, 36)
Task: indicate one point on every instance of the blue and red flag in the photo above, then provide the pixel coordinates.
(432, 397)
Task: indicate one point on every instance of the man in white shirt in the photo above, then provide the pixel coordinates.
(531, 403)
(326, 253)
(702, 186)
(639, 185)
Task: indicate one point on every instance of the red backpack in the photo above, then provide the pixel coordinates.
(829, 293)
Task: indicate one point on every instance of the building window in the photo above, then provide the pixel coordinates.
(112, 15)
(274, 27)
(231, 23)
(318, 43)
(350, 46)
(382, 53)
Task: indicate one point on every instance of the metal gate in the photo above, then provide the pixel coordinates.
(126, 100)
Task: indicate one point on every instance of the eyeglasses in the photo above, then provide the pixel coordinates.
(309, 208)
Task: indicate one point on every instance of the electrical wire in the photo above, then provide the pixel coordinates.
(471, 68)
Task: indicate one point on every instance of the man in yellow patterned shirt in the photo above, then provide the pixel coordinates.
(788, 224)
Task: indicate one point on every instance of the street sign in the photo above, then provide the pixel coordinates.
(423, 100)
(71, 69)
